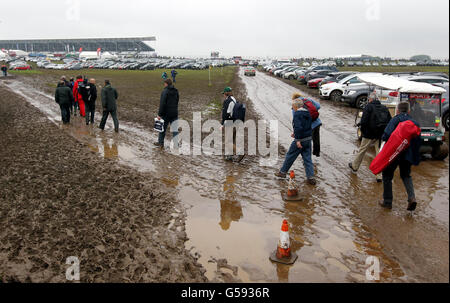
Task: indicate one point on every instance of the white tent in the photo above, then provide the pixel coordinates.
(88, 55)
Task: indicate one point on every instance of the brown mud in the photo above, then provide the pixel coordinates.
(58, 199)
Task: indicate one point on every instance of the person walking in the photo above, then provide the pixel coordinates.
(168, 110)
(164, 76)
(64, 97)
(91, 97)
(374, 120)
(79, 103)
(174, 74)
(109, 104)
(302, 142)
(228, 122)
(5, 71)
(407, 158)
(313, 107)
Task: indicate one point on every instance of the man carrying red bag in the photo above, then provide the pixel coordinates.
(402, 137)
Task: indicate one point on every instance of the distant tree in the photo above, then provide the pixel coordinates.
(421, 58)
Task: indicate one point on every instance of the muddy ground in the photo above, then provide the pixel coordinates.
(59, 199)
(234, 211)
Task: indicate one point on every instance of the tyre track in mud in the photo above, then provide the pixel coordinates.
(358, 194)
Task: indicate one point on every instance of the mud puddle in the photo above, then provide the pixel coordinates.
(234, 212)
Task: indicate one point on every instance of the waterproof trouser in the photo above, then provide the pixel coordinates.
(293, 154)
(316, 141)
(162, 135)
(405, 175)
(82, 108)
(114, 117)
(365, 144)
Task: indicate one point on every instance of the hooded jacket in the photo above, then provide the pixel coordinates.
(63, 95)
(302, 124)
(109, 97)
(168, 103)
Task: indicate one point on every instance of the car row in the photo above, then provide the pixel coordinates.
(134, 64)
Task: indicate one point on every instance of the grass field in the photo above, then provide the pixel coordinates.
(140, 91)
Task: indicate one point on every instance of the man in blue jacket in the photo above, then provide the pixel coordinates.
(302, 142)
(410, 156)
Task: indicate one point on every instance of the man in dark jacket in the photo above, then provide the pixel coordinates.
(228, 123)
(64, 97)
(109, 104)
(371, 133)
(411, 156)
(168, 110)
(174, 74)
(90, 98)
(302, 142)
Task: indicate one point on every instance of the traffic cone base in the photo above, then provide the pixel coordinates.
(297, 198)
(288, 261)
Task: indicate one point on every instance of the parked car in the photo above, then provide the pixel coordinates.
(314, 83)
(336, 76)
(356, 96)
(334, 91)
(317, 74)
(293, 74)
(302, 77)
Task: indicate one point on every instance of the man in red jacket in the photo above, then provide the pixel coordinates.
(78, 97)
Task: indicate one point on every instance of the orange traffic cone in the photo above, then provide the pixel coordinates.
(284, 249)
(292, 192)
(283, 253)
(292, 188)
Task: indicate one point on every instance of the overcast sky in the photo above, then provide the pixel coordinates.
(258, 28)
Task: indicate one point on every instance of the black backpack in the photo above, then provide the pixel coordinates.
(380, 119)
(239, 111)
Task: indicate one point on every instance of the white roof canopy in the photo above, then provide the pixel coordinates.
(400, 85)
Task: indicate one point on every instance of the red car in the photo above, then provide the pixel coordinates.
(314, 83)
(24, 67)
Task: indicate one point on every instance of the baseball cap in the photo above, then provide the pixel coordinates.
(227, 90)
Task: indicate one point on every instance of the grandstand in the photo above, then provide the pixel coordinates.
(91, 44)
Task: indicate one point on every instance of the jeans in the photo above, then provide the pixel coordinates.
(162, 135)
(174, 81)
(292, 155)
(65, 113)
(316, 141)
(365, 143)
(114, 117)
(90, 113)
(405, 174)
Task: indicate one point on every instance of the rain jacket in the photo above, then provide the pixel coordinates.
(367, 128)
(302, 124)
(109, 97)
(412, 153)
(63, 95)
(168, 103)
(77, 96)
